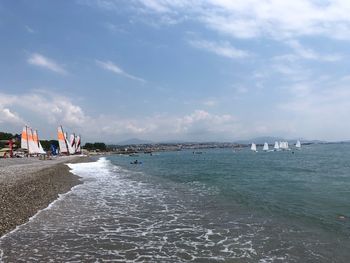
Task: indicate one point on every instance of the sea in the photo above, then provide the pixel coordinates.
(217, 205)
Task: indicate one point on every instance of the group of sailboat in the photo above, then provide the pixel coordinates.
(30, 141)
(279, 146)
(71, 146)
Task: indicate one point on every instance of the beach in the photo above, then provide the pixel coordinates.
(28, 185)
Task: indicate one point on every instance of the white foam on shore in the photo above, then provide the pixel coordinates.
(117, 214)
(60, 197)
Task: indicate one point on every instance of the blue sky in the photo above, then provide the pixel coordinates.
(176, 70)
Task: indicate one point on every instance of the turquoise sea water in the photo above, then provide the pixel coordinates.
(216, 206)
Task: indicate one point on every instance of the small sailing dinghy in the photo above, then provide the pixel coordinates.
(277, 146)
(284, 146)
(253, 147)
(266, 147)
(298, 145)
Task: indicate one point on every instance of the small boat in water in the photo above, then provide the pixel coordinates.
(266, 147)
(284, 146)
(136, 162)
(253, 147)
(298, 145)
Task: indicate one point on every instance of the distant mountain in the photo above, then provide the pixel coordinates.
(173, 141)
(261, 140)
(134, 141)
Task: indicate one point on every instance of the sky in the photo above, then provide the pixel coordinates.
(214, 70)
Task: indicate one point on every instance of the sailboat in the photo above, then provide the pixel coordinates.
(27, 141)
(37, 142)
(62, 140)
(266, 147)
(70, 144)
(24, 138)
(281, 145)
(277, 146)
(298, 145)
(253, 147)
(284, 145)
(78, 144)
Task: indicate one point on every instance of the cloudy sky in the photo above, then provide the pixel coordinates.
(176, 69)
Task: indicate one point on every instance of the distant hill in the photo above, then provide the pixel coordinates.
(261, 140)
(134, 141)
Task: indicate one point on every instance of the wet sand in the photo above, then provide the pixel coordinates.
(29, 184)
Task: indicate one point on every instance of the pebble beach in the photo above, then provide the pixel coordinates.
(28, 185)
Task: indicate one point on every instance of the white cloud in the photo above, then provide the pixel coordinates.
(48, 107)
(201, 122)
(199, 125)
(29, 29)
(307, 111)
(52, 109)
(110, 66)
(210, 103)
(224, 49)
(157, 6)
(6, 116)
(320, 110)
(308, 53)
(254, 18)
(39, 60)
(241, 89)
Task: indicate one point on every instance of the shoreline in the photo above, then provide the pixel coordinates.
(30, 185)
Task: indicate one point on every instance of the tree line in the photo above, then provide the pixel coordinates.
(97, 146)
(46, 144)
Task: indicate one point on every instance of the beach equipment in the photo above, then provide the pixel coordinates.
(53, 149)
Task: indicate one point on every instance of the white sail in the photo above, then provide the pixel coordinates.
(298, 144)
(33, 147)
(41, 149)
(284, 145)
(266, 147)
(281, 145)
(72, 141)
(34, 142)
(71, 148)
(253, 147)
(37, 142)
(276, 147)
(24, 138)
(78, 144)
(62, 140)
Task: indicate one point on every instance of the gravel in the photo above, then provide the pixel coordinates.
(29, 184)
